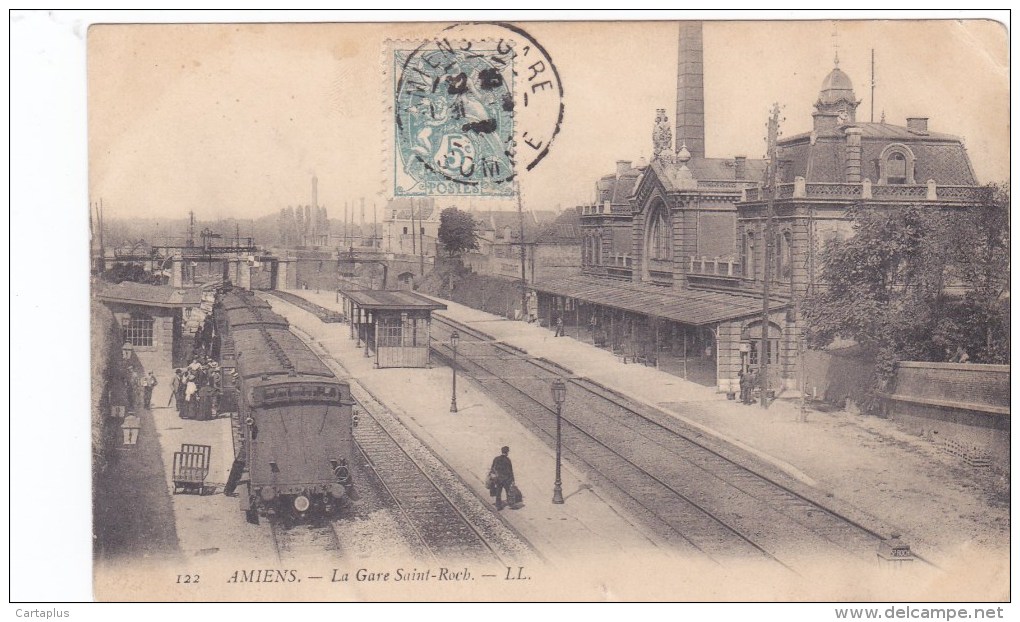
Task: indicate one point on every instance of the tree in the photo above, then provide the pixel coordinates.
(458, 231)
(917, 283)
(131, 272)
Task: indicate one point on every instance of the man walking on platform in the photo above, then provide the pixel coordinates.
(504, 470)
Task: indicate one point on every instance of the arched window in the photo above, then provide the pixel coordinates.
(660, 243)
(137, 329)
(598, 250)
(896, 168)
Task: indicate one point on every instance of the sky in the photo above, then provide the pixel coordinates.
(233, 120)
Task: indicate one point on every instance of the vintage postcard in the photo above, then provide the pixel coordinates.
(550, 311)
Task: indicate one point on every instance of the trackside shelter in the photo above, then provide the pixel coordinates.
(393, 324)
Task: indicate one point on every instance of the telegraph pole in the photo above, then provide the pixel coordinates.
(772, 187)
(524, 267)
(421, 243)
(872, 85)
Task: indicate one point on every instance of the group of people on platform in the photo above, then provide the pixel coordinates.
(197, 389)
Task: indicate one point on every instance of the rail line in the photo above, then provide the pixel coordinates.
(304, 540)
(440, 521)
(701, 495)
(443, 531)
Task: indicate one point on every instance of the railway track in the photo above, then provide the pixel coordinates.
(440, 528)
(324, 314)
(304, 540)
(693, 492)
(445, 520)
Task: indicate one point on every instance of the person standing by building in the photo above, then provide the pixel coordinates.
(745, 387)
(149, 383)
(175, 389)
(504, 470)
(559, 327)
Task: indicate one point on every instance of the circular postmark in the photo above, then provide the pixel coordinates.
(474, 107)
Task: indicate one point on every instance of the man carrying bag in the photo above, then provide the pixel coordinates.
(504, 477)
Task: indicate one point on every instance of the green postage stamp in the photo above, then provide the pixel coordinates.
(453, 119)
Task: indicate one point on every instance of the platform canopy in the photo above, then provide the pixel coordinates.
(391, 300)
(687, 306)
(142, 294)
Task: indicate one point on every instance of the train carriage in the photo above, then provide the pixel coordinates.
(295, 419)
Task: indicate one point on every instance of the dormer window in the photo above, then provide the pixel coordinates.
(896, 165)
(896, 169)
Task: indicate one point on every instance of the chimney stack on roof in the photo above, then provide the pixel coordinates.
(740, 167)
(622, 166)
(917, 125)
(853, 155)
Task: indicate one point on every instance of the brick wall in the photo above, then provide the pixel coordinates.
(963, 409)
(981, 386)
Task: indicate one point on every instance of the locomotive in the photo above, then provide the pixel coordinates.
(294, 419)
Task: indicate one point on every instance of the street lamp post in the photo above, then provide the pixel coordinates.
(454, 338)
(559, 391)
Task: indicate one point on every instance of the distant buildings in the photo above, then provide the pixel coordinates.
(553, 243)
(410, 227)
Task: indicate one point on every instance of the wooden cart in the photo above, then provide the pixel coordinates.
(191, 467)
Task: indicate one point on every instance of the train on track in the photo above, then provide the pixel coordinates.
(294, 420)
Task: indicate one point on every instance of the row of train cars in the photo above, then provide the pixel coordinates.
(294, 420)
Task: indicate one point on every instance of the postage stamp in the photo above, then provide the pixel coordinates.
(474, 107)
(453, 126)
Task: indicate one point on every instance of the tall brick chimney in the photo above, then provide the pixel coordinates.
(690, 91)
(622, 166)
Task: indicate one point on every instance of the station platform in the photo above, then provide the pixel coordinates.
(863, 463)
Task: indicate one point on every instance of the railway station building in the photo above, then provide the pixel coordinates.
(673, 252)
(154, 320)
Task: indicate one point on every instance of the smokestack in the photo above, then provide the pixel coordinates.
(690, 91)
(315, 191)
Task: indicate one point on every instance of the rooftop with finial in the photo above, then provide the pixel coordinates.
(683, 156)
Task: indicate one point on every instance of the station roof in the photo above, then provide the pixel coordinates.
(395, 300)
(688, 306)
(129, 292)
